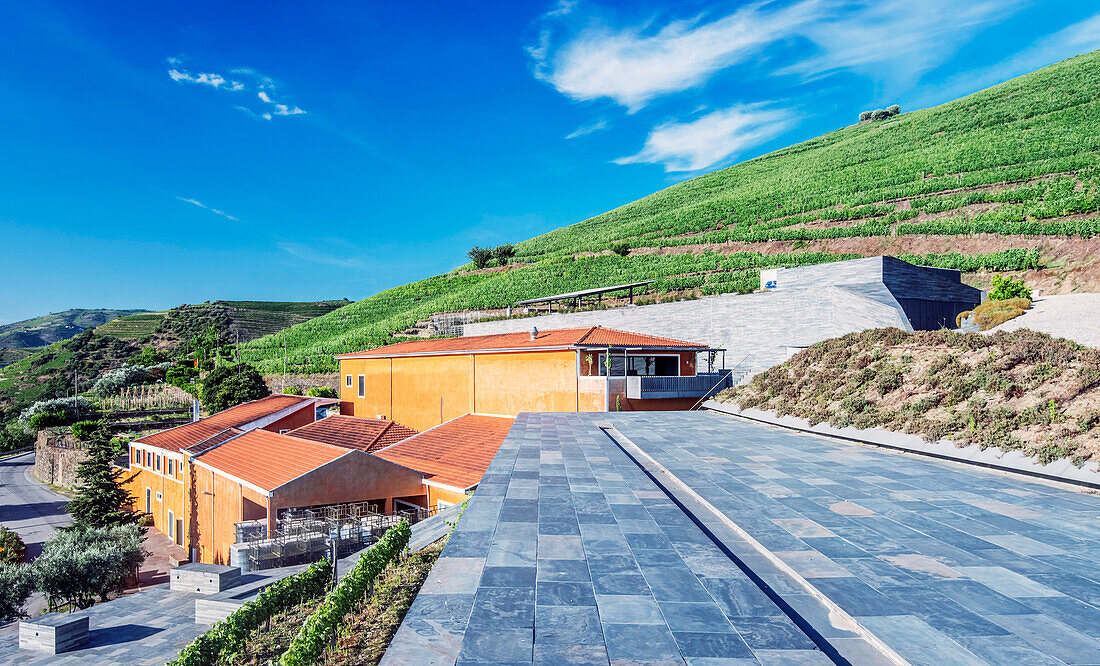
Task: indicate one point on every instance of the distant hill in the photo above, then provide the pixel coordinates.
(51, 328)
(1006, 179)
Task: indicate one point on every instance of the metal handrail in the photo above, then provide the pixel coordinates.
(745, 359)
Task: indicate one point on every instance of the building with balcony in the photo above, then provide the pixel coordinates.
(423, 383)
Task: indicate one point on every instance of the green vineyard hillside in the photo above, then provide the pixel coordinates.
(1006, 179)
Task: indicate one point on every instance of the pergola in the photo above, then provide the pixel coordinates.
(577, 296)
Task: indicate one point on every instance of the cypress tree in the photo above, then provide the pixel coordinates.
(101, 500)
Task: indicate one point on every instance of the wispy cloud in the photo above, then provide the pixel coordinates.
(277, 109)
(1078, 38)
(316, 256)
(587, 129)
(711, 139)
(196, 202)
(243, 79)
(892, 41)
(632, 65)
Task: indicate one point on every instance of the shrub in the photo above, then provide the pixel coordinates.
(322, 392)
(15, 435)
(82, 430)
(292, 390)
(229, 385)
(222, 642)
(993, 313)
(1004, 288)
(480, 256)
(621, 249)
(113, 381)
(502, 253)
(147, 356)
(12, 548)
(63, 411)
(879, 114)
(864, 116)
(893, 109)
(16, 585)
(318, 629)
(81, 564)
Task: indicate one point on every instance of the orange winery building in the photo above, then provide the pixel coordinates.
(423, 383)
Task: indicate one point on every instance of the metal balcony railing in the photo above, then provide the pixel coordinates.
(704, 384)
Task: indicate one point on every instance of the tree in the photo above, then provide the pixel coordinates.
(16, 584)
(101, 500)
(229, 385)
(80, 564)
(480, 256)
(1004, 288)
(503, 253)
(322, 392)
(147, 356)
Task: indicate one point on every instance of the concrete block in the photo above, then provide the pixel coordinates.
(53, 632)
(204, 578)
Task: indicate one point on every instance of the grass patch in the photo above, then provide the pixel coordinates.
(994, 313)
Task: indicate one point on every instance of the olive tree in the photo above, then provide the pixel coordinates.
(16, 584)
(80, 565)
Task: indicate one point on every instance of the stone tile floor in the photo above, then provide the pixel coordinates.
(569, 552)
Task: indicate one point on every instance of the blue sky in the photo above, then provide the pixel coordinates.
(160, 153)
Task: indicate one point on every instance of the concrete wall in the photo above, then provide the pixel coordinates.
(760, 325)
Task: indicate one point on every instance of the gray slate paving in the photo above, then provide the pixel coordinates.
(570, 553)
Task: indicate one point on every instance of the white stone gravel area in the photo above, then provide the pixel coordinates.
(1072, 316)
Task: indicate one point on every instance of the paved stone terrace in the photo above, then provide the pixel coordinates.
(568, 552)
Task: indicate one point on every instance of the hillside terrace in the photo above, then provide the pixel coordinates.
(684, 537)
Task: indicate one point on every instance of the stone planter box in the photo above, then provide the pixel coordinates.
(53, 632)
(204, 578)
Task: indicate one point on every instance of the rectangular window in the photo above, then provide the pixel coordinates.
(148, 457)
(171, 467)
(160, 498)
(641, 366)
(158, 463)
(283, 431)
(347, 381)
(148, 500)
(172, 524)
(362, 386)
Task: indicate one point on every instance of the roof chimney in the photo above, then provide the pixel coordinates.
(534, 332)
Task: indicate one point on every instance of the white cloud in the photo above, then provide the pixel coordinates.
(200, 204)
(711, 139)
(278, 109)
(893, 41)
(205, 78)
(634, 65)
(1078, 38)
(320, 257)
(587, 129)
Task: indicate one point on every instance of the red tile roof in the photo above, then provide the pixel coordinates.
(354, 433)
(596, 336)
(212, 441)
(267, 459)
(187, 435)
(454, 454)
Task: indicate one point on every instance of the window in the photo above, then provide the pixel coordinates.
(172, 524)
(148, 458)
(148, 500)
(171, 467)
(160, 498)
(641, 366)
(158, 463)
(347, 381)
(283, 431)
(362, 386)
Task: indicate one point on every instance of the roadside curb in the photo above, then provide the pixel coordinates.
(1015, 462)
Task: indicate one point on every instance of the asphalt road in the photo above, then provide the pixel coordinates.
(28, 506)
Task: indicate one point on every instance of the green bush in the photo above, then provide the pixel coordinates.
(318, 629)
(322, 392)
(222, 642)
(292, 390)
(12, 548)
(1005, 287)
(82, 430)
(504, 253)
(60, 411)
(480, 256)
(81, 564)
(621, 249)
(16, 585)
(229, 385)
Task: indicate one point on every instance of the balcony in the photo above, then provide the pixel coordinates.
(704, 384)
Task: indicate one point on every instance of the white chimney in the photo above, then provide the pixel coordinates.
(534, 332)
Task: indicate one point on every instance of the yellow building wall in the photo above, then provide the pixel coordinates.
(376, 374)
(525, 382)
(449, 496)
(429, 390)
(172, 489)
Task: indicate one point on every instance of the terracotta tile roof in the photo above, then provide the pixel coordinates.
(190, 434)
(212, 441)
(555, 339)
(267, 459)
(354, 433)
(456, 453)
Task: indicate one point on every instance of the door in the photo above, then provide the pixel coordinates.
(179, 531)
(172, 525)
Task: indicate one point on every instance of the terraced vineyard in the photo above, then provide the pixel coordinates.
(134, 327)
(1006, 179)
